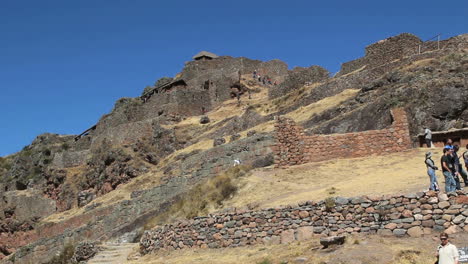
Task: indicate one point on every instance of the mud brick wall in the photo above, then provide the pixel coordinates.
(402, 215)
(294, 147)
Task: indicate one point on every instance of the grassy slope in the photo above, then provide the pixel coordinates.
(395, 173)
(357, 250)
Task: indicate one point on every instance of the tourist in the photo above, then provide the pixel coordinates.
(431, 168)
(447, 253)
(458, 166)
(447, 167)
(465, 157)
(259, 78)
(449, 143)
(428, 137)
(255, 74)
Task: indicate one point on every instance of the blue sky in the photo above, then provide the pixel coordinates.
(64, 63)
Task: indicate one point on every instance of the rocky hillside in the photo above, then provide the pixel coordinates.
(150, 151)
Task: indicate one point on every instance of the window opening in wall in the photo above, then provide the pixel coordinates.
(206, 86)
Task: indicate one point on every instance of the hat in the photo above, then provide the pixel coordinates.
(428, 154)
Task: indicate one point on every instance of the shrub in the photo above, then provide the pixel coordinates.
(65, 146)
(46, 152)
(265, 261)
(329, 203)
(64, 257)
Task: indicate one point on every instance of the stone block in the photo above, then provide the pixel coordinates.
(304, 233)
(287, 236)
(415, 231)
(453, 229)
(399, 232)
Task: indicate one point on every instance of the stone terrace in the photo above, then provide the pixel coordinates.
(402, 215)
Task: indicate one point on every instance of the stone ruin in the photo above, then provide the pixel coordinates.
(413, 215)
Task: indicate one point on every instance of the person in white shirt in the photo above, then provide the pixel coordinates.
(447, 252)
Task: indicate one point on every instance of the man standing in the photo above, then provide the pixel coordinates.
(465, 157)
(447, 252)
(447, 167)
(428, 137)
(458, 166)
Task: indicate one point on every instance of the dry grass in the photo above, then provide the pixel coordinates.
(204, 197)
(369, 249)
(304, 113)
(353, 72)
(389, 174)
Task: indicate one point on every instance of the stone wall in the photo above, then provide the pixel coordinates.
(398, 47)
(297, 78)
(67, 159)
(384, 51)
(101, 223)
(401, 215)
(294, 147)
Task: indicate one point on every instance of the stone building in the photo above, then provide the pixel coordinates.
(439, 138)
(205, 55)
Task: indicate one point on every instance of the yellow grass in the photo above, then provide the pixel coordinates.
(389, 174)
(353, 72)
(304, 113)
(370, 249)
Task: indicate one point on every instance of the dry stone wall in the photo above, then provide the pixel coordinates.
(401, 215)
(294, 147)
(398, 47)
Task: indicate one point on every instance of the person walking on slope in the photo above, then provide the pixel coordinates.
(431, 168)
(447, 253)
(428, 137)
(447, 167)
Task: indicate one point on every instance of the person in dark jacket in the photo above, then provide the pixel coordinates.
(447, 168)
(459, 171)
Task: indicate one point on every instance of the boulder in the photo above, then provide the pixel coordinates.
(453, 229)
(332, 240)
(204, 119)
(415, 231)
(304, 233)
(399, 232)
(219, 141)
(235, 137)
(287, 236)
(84, 251)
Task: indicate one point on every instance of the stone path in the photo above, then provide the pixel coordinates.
(113, 253)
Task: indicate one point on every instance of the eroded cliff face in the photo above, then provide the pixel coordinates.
(158, 134)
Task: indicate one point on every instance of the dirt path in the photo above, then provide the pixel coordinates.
(113, 253)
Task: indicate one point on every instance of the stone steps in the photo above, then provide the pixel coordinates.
(113, 253)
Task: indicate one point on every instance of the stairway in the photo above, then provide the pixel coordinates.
(113, 253)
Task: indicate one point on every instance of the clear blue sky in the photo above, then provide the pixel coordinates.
(64, 63)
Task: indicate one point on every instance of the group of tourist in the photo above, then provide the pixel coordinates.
(264, 79)
(451, 166)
